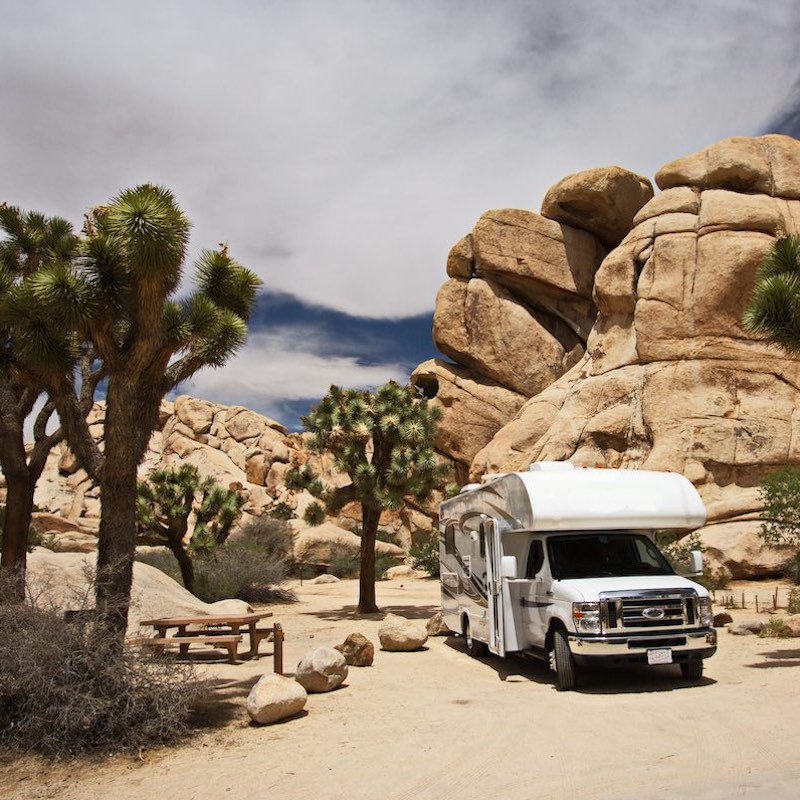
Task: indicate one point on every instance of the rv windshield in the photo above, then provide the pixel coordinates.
(602, 554)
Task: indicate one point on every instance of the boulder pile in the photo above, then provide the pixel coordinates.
(606, 331)
(239, 449)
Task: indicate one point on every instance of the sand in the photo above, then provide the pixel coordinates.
(439, 724)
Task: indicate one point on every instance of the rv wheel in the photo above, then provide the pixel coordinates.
(692, 670)
(564, 663)
(475, 648)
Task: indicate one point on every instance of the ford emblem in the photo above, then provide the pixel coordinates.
(653, 613)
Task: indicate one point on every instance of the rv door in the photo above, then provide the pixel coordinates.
(494, 582)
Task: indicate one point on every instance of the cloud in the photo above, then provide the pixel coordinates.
(275, 370)
(341, 148)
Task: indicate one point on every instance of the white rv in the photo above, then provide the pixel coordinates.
(561, 563)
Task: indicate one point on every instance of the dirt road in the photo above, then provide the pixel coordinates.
(439, 724)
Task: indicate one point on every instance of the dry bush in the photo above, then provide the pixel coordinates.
(67, 689)
(242, 569)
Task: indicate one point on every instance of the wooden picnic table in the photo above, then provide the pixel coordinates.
(223, 624)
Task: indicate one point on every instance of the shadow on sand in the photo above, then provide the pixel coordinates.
(351, 612)
(618, 680)
(778, 658)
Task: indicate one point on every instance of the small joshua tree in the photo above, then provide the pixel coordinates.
(164, 504)
(384, 442)
(774, 308)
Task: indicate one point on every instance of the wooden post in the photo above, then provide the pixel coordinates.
(756, 604)
(743, 606)
(278, 649)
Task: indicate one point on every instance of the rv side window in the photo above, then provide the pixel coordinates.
(450, 539)
(535, 558)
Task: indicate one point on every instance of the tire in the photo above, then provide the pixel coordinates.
(475, 648)
(564, 663)
(692, 670)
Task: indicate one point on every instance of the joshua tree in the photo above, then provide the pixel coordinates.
(384, 442)
(164, 504)
(118, 301)
(774, 308)
(31, 245)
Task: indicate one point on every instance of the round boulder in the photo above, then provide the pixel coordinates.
(722, 619)
(602, 201)
(399, 634)
(321, 670)
(275, 697)
(358, 651)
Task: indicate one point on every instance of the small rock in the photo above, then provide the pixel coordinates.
(722, 619)
(746, 628)
(436, 626)
(321, 670)
(358, 651)
(399, 634)
(401, 571)
(325, 579)
(275, 697)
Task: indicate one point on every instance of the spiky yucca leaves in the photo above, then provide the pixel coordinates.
(34, 250)
(774, 308)
(37, 251)
(384, 442)
(164, 504)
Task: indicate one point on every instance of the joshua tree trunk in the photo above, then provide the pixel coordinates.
(369, 528)
(130, 418)
(175, 539)
(19, 507)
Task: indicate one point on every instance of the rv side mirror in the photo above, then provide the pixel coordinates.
(696, 562)
(508, 567)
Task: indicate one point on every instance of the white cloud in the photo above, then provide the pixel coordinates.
(286, 365)
(341, 148)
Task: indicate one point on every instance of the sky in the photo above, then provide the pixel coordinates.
(341, 148)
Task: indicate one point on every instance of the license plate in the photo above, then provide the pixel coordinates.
(662, 655)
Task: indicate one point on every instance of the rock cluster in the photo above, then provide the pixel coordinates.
(633, 357)
(237, 448)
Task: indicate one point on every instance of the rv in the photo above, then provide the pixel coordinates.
(561, 563)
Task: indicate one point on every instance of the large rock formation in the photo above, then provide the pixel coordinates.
(668, 380)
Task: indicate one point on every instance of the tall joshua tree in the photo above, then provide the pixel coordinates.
(165, 502)
(384, 442)
(774, 308)
(31, 244)
(119, 300)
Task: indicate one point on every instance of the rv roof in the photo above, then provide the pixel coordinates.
(585, 499)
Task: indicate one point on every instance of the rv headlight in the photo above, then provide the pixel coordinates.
(586, 617)
(706, 612)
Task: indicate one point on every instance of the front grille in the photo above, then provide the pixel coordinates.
(642, 611)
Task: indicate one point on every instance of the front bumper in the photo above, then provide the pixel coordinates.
(628, 649)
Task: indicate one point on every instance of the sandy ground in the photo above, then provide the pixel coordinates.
(439, 724)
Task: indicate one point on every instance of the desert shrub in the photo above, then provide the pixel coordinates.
(776, 628)
(281, 511)
(425, 554)
(347, 564)
(66, 689)
(344, 562)
(792, 569)
(271, 535)
(383, 561)
(793, 606)
(715, 578)
(242, 570)
(160, 558)
(677, 549)
(314, 514)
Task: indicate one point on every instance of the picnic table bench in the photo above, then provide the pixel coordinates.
(218, 630)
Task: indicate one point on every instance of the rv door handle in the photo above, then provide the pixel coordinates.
(549, 594)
